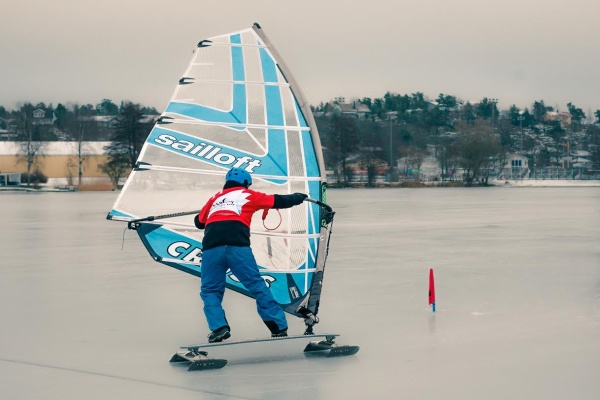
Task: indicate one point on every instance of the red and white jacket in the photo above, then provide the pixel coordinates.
(235, 204)
(227, 215)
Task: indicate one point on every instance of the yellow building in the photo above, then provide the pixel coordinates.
(563, 117)
(59, 162)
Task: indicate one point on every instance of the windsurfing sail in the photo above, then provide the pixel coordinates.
(236, 105)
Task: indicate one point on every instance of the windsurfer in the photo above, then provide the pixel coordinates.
(226, 220)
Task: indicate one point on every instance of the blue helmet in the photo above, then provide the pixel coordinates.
(240, 176)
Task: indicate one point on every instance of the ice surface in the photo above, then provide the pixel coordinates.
(517, 283)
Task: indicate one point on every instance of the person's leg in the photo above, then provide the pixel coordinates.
(213, 271)
(243, 266)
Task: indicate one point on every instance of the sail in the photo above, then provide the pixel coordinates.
(236, 105)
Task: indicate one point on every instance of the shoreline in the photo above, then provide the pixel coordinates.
(545, 182)
(504, 183)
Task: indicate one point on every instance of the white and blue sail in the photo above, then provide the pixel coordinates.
(236, 105)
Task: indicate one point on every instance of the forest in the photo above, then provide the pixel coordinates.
(389, 136)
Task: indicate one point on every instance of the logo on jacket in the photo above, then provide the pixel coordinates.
(232, 201)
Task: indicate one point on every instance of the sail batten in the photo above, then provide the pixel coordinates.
(278, 84)
(150, 167)
(237, 105)
(232, 124)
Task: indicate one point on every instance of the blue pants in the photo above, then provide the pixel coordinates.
(215, 263)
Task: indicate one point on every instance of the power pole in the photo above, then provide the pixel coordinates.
(521, 118)
(493, 103)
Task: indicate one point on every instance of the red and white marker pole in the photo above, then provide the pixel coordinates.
(431, 290)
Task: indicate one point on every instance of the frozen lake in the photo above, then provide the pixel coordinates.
(518, 303)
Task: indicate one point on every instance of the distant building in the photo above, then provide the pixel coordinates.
(575, 161)
(563, 117)
(5, 134)
(355, 109)
(59, 162)
(10, 179)
(430, 105)
(42, 116)
(516, 167)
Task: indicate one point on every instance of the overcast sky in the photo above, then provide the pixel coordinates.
(517, 51)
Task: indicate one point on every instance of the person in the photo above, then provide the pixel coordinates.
(226, 218)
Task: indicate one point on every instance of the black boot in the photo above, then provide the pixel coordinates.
(218, 335)
(276, 331)
(281, 333)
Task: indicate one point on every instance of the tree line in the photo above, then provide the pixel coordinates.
(34, 125)
(475, 138)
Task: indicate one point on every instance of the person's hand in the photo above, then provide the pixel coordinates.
(299, 198)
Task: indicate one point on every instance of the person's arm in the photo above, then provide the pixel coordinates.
(200, 219)
(288, 200)
(197, 222)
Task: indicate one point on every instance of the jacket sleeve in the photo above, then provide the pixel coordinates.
(197, 222)
(200, 219)
(288, 200)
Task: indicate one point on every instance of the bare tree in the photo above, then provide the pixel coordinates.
(477, 148)
(341, 139)
(129, 136)
(414, 159)
(31, 150)
(370, 148)
(115, 168)
(445, 153)
(593, 133)
(82, 151)
(69, 167)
